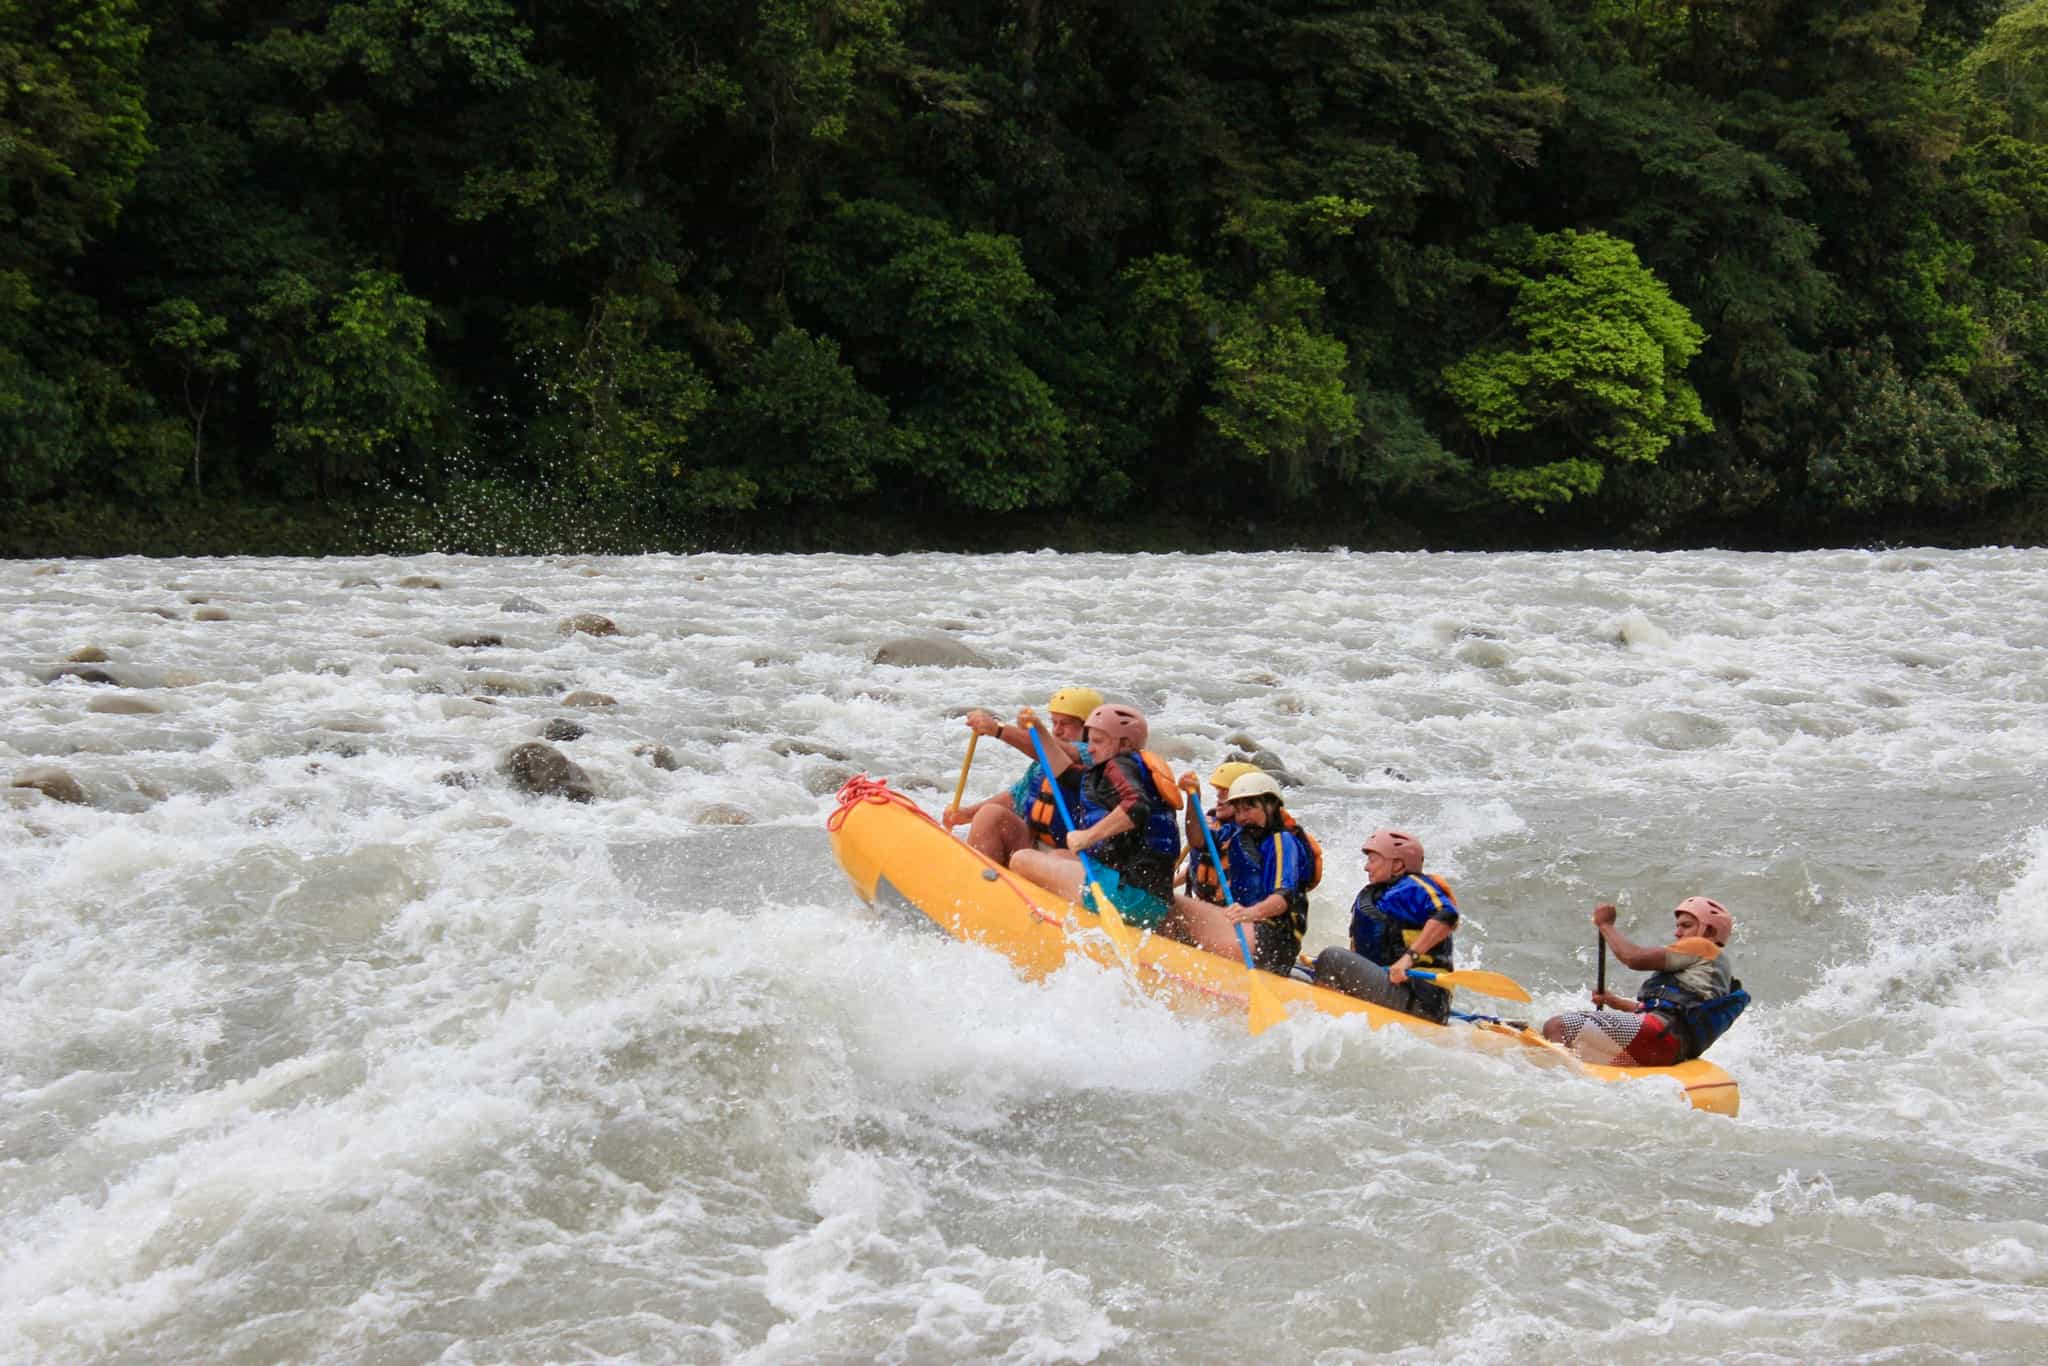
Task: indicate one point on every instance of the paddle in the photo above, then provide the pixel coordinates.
(1600, 982)
(1112, 923)
(1479, 980)
(1470, 1018)
(960, 791)
(1265, 1009)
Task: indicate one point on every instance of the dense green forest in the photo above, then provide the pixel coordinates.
(500, 271)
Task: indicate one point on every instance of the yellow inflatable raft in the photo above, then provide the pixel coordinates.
(900, 858)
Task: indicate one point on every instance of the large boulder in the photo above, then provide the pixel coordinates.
(53, 783)
(545, 771)
(929, 652)
(589, 624)
(661, 756)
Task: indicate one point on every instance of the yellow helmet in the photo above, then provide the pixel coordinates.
(1074, 702)
(1226, 774)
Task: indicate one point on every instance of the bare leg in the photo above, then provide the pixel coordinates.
(1056, 870)
(998, 833)
(1205, 925)
(1582, 1032)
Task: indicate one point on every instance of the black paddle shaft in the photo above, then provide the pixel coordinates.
(1600, 978)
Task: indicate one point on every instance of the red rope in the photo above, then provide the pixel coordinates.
(861, 788)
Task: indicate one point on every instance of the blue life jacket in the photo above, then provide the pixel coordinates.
(1383, 937)
(1697, 1020)
(1205, 886)
(1254, 875)
(1161, 832)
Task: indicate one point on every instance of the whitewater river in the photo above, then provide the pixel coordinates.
(321, 1042)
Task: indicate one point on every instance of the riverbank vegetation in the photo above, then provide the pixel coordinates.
(490, 274)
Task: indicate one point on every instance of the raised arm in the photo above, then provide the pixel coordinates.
(1063, 755)
(1625, 951)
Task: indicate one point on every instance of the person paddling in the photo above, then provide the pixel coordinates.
(1402, 918)
(1026, 816)
(1125, 821)
(1195, 873)
(1269, 871)
(1689, 1000)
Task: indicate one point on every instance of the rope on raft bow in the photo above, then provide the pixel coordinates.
(861, 788)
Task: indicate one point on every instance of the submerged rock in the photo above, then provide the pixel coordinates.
(100, 677)
(476, 640)
(87, 654)
(53, 783)
(661, 756)
(122, 705)
(209, 614)
(722, 813)
(830, 778)
(516, 603)
(563, 729)
(545, 771)
(1275, 767)
(582, 698)
(589, 624)
(419, 581)
(929, 652)
(787, 748)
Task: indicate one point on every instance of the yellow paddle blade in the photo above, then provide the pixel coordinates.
(1121, 935)
(1266, 1010)
(1485, 983)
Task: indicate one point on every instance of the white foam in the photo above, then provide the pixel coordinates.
(322, 1058)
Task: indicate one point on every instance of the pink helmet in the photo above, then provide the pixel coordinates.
(1711, 914)
(1401, 849)
(1120, 723)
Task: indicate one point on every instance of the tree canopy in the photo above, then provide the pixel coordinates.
(1624, 267)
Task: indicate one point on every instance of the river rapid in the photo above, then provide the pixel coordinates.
(321, 1042)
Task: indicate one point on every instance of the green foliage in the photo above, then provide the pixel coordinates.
(598, 270)
(1279, 381)
(2004, 80)
(186, 334)
(348, 373)
(940, 318)
(1594, 371)
(1902, 444)
(799, 425)
(72, 126)
(622, 409)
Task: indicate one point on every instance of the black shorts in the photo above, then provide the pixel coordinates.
(1275, 945)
